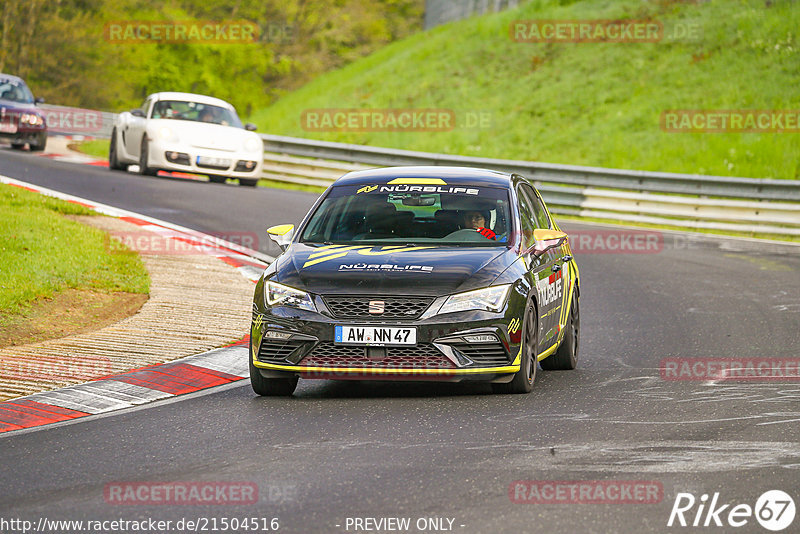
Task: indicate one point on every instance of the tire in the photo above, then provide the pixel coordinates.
(217, 179)
(566, 356)
(144, 170)
(248, 182)
(271, 387)
(40, 146)
(17, 146)
(524, 378)
(113, 157)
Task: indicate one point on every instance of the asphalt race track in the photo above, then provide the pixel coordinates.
(451, 452)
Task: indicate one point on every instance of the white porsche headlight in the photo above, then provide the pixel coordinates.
(490, 299)
(278, 294)
(252, 144)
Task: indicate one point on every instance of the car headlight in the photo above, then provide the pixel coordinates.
(279, 294)
(252, 144)
(31, 118)
(490, 299)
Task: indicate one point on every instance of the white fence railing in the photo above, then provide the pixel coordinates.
(764, 206)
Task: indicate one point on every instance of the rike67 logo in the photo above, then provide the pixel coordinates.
(774, 510)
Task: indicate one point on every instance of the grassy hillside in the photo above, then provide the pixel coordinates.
(580, 103)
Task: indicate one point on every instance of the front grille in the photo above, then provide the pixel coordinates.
(394, 307)
(276, 351)
(422, 356)
(483, 354)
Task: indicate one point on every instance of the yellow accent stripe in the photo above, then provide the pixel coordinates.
(332, 250)
(324, 258)
(297, 368)
(417, 181)
(551, 350)
(384, 252)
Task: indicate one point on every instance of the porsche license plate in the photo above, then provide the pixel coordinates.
(213, 162)
(8, 127)
(375, 335)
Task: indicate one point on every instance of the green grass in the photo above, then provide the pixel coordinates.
(580, 103)
(95, 147)
(43, 252)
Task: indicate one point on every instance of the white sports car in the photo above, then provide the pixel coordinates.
(189, 133)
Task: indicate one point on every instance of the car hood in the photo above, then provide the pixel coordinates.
(408, 270)
(204, 135)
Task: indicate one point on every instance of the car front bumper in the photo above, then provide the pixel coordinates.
(288, 340)
(22, 133)
(187, 161)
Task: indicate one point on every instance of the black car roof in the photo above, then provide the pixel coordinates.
(451, 175)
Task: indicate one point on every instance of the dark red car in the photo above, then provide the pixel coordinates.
(20, 120)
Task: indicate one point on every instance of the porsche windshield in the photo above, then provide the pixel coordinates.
(386, 213)
(195, 111)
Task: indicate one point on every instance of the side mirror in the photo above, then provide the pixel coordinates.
(281, 234)
(545, 239)
(137, 113)
(38, 100)
(250, 127)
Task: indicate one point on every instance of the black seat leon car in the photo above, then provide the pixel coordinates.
(418, 273)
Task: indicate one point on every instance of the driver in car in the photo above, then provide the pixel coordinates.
(476, 220)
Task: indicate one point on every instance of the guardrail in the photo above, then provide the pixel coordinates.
(705, 202)
(750, 205)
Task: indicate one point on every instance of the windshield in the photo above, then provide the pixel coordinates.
(387, 213)
(15, 91)
(194, 111)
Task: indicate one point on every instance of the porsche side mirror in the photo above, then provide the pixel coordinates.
(250, 127)
(281, 234)
(545, 239)
(137, 113)
(38, 100)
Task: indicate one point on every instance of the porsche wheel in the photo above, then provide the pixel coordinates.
(143, 168)
(113, 158)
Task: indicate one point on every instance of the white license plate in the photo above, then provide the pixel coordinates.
(375, 335)
(8, 127)
(213, 162)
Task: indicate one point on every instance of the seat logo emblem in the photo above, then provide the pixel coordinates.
(376, 307)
